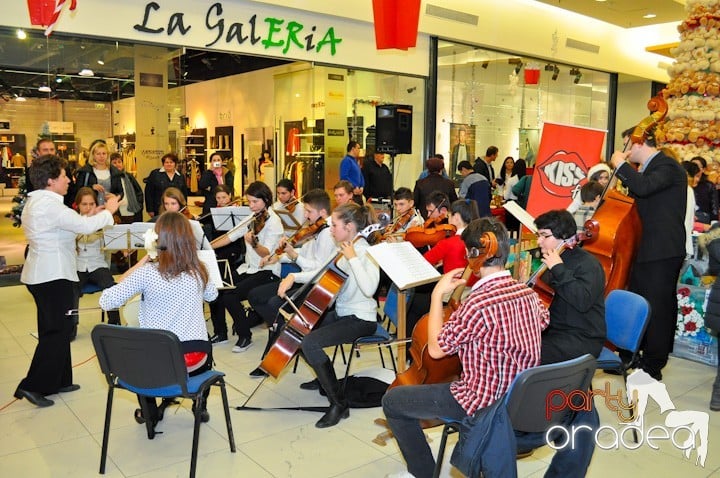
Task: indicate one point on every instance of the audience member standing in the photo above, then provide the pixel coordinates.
(159, 180)
(99, 174)
(659, 188)
(131, 205)
(378, 178)
(213, 177)
(484, 165)
(433, 182)
(350, 170)
(706, 196)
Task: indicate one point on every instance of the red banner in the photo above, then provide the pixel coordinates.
(396, 23)
(563, 159)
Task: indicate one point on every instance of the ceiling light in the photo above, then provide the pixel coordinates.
(20, 97)
(649, 15)
(45, 89)
(101, 61)
(86, 72)
(58, 79)
(21, 34)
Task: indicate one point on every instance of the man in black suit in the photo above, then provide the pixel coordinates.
(484, 165)
(659, 188)
(433, 182)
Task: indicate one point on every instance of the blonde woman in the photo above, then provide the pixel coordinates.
(99, 174)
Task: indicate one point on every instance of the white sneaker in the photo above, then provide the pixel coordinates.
(400, 474)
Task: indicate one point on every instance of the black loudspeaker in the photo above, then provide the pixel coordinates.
(393, 124)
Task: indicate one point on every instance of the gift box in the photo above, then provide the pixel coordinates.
(693, 341)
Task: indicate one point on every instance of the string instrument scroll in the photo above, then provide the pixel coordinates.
(258, 223)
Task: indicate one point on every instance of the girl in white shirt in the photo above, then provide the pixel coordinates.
(173, 200)
(91, 264)
(355, 313)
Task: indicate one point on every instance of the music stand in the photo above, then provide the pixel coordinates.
(117, 237)
(225, 218)
(289, 222)
(137, 232)
(208, 258)
(226, 274)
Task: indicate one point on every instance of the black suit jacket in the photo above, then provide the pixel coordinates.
(425, 187)
(660, 193)
(482, 167)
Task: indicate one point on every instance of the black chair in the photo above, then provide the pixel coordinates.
(526, 398)
(150, 362)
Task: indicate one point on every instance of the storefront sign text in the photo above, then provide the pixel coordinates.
(271, 33)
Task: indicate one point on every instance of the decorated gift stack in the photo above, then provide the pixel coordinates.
(692, 126)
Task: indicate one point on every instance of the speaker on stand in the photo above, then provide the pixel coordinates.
(393, 130)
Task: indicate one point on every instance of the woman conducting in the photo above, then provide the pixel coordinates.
(50, 275)
(173, 290)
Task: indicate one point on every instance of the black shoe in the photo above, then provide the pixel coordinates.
(204, 416)
(69, 388)
(332, 417)
(258, 373)
(218, 339)
(242, 344)
(311, 385)
(35, 398)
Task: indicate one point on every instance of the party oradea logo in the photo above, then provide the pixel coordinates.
(561, 173)
(686, 430)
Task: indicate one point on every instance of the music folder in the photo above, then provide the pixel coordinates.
(225, 218)
(117, 237)
(137, 230)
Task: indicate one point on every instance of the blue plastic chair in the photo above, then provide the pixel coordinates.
(626, 317)
(391, 304)
(150, 362)
(526, 397)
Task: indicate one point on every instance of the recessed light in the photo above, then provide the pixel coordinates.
(21, 34)
(101, 61)
(86, 72)
(20, 98)
(649, 15)
(45, 89)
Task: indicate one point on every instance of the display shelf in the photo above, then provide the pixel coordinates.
(224, 137)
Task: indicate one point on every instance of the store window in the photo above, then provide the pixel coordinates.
(503, 99)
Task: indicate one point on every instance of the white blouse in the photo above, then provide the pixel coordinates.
(298, 213)
(269, 237)
(90, 255)
(356, 295)
(313, 255)
(51, 228)
(174, 304)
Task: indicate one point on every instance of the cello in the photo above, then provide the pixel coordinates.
(619, 236)
(325, 287)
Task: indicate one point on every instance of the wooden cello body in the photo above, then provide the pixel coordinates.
(617, 240)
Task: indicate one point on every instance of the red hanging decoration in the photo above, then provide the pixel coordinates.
(396, 23)
(41, 11)
(532, 76)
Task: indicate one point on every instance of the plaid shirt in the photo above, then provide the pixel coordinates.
(496, 333)
(582, 214)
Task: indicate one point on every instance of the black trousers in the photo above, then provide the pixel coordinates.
(51, 367)
(231, 300)
(265, 301)
(657, 282)
(102, 278)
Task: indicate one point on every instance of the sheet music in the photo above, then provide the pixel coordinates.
(405, 266)
(208, 258)
(521, 215)
(225, 218)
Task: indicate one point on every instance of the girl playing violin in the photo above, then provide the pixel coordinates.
(262, 236)
(310, 257)
(91, 264)
(172, 200)
(287, 201)
(449, 252)
(355, 308)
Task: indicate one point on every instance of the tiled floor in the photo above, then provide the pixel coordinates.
(64, 440)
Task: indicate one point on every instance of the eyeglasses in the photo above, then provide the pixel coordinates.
(544, 235)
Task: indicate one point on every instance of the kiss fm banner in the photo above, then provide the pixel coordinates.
(563, 159)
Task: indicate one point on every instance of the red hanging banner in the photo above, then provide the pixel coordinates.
(396, 23)
(532, 76)
(563, 159)
(41, 11)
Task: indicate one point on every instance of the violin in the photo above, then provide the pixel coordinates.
(398, 224)
(305, 233)
(258, 223)
(432, 232)
(591, 228)
(291, 205)
(186, 212)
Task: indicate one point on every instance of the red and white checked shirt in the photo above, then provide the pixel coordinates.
(496, 333)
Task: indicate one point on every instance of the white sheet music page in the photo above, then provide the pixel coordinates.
(521, 215)
(208, 258)
(405, 266)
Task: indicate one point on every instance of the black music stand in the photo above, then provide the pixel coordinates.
(225, 218)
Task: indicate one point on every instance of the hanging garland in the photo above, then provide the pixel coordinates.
(452, 91)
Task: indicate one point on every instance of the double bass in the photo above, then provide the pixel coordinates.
(325, 287)
(620, 228)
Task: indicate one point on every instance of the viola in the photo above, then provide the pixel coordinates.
(432, 232)
(591, 228)
(258, 223)
(325, 286)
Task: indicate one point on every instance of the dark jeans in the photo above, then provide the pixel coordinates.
(657, 282)
(51, 366)
(404, 407)
(265, 301)
(333, 330)
(101, 278)
(231, 300)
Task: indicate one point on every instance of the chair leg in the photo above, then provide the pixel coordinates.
(392, 359)
(149, 422)
(106, 429)
(196, 436)
(223, 392)
(297, 359)
(632, 410)
(447, 429)
(347, 369)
